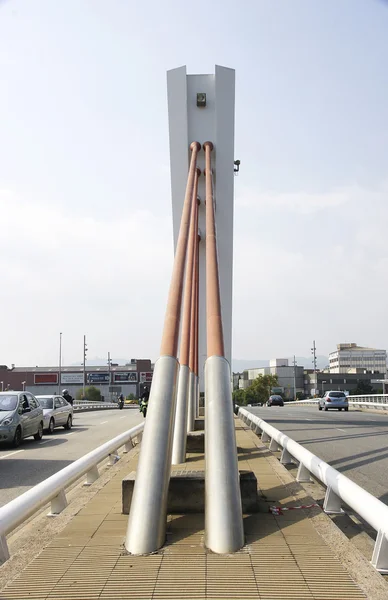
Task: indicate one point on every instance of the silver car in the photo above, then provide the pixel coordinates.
(338, 400)
(56, 412)
(20, 416)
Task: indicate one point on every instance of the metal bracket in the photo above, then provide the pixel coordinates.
(380, 553)
(113, 458)
(286, 458)
(274, 446)
(128, 446)
(332, 503)
(92, 475)
(58, 504)
(4, 552)
(303, 474)
(265, 437)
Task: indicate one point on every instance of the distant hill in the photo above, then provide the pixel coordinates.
(239, 364)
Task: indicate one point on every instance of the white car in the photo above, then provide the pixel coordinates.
(56, 412)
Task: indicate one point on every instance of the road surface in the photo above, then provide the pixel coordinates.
(355, 443)
(31, 463)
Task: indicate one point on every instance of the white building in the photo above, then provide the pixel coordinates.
(350, 358)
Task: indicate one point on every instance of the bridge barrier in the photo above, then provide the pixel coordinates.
(53, 489)
(340, 489)
(381, 402)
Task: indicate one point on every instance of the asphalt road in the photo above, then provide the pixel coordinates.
(355, 443)
(32, 462)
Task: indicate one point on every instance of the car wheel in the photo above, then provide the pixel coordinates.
(39, 434)
(340, 409)
(319, 407)
(51, 426)
(346, 409)
(17, 438)
(69, 422)
(326, 408)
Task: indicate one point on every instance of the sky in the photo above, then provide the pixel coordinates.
(85, 211)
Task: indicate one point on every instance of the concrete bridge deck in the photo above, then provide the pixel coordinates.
(297, 555)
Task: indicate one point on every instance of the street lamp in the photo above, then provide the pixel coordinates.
(24, 385)
(2, 386)
(323, 382)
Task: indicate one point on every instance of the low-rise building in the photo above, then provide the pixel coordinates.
(350, 358)
(113, 381)
(320, 382)
(284, 372)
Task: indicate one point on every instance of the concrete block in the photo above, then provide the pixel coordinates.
(186, 492)
(195, 442)
(199, 424)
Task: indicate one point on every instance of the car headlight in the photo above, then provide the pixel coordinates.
(7, 421)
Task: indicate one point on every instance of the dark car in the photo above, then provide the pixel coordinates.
(275, 401)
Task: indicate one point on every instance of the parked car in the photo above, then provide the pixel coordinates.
(275, 401)
(56, 412)
(338, 400)
(20, 417)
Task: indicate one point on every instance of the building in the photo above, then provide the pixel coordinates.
(128, 379)
(345, 382)
(350, 358)
(285, 375)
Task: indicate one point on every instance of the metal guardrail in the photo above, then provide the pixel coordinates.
(340, 489)
(53, 488)
(81, 406)
(382, 405)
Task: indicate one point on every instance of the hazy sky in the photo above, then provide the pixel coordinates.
(84, 117)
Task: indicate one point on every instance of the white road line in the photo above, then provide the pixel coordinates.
(45, 442)
(121, 418)
(308, 419)
(72, 433)
(11, 454)
(103, 422)
(344, 430)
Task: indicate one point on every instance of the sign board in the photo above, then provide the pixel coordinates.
(146, 377)
(45, 378)
(72, 378)
(123, 377)
(97, 377)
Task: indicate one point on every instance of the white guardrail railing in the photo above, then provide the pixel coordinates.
(80, 406)
(372, 401)
(340, 489)
(53, 489)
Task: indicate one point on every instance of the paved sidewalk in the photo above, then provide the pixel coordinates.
(284, 557)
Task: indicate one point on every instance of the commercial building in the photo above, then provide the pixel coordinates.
(284, 373)
(127, 379)
(317, 384)
(350, 358)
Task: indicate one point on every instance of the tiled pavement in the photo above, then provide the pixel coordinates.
(284, 557)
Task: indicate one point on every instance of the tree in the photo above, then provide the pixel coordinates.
(91, 393)
(239, 397)
(260, 390)
(363, 387)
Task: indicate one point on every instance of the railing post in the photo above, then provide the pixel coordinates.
(380, 553)
(4, 552)
(303, 474)
(92, 475)
(58, 504)
(265, 437)
(332, 503)
(274, 446)
(286, 458)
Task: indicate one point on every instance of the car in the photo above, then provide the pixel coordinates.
(333, 399)
(57, 412)
(21, 416)
(275, 401)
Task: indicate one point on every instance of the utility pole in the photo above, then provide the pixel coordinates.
(84, 364)
(109, 366)
(294, 363)
(60, 363)
(313, 351)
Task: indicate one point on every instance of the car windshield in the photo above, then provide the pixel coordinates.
(46, 402)
(8, 402)
(276, 397)
(337, 395)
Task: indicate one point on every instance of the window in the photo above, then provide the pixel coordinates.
(57, 403)
(32, 401)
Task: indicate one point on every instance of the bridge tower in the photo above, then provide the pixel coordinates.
(201, 107)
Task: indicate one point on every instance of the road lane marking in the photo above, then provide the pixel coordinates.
(344, 430)
(71, 433)
(103, 423)
(122, 417)
(308, 419)
(11, 454)
(45, 442)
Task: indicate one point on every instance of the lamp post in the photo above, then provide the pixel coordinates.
(24, 385)
(323, 382)
(2, 386)
(60, 363)
(294, 363)
(84, 366)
